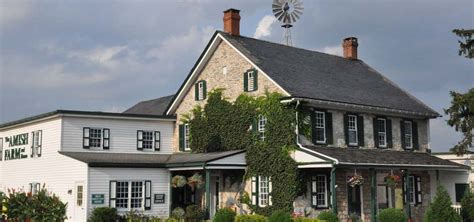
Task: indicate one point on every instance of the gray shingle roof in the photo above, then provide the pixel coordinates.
(145, 159)
(153, 107)
(310, 74)
(383, 157)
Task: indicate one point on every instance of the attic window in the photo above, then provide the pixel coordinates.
(250, 80)
(200, 90)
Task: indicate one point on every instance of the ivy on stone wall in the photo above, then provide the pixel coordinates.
(221, 126)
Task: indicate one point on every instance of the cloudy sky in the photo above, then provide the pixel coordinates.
(107, 55)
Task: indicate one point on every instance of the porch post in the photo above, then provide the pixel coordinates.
(333, 190)
(437, 177)
(373, 196)
(407, 202)
(208, 192)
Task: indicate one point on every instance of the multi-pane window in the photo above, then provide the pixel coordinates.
(95, 137)
(121, 195)
(251, 81)
(262, 122)
(263, 191)
(79, 195)
(137, 194)
(147, 141)
(352, 129)
(319, 191)
(411, 190)
(36, 146)
(35, 187)
(186, 137)
(382, 132)
(320, 127)
(408, 134)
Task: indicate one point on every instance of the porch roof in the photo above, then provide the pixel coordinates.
(147, 160)
(384, 158)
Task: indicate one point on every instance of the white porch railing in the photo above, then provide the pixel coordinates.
(457, 208)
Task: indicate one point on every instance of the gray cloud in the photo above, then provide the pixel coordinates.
(108, 55)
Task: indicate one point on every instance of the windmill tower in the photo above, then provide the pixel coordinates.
(287, 12)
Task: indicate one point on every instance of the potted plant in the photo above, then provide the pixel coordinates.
(355, 180)
(393, 180)
(178, 181)
(195, 181)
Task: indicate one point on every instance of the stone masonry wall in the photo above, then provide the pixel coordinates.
(232, 82)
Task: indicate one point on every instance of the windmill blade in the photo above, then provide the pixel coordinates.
(279, 15)
(292, 16)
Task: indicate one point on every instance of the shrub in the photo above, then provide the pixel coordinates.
(328, 216)
(224, 215)
(304, 219)
(392, 215)
(178, 213)
(172, 220)
(103, 214)
(280, 216)
(440, 209)
(467, 206)
(250, 218)
(42, 206)
(194, 213)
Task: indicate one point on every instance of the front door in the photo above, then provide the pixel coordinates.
(354, 200)
(79, 202)
(214, 195)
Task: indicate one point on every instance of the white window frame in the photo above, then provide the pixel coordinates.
(411, 192)
(129, 195)
(323, 127)
(408, 136)
(101, 138)
(264, 190)
(186, 137)
(382, 143)
(200, 90)
(34, 187)
(262, 122)
(151, 140)
(318, 188)
(352, 127)
(251, 81)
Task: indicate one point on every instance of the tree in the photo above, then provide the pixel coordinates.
(461, 117)
(466, 44)
(440, 209)
(467, 206)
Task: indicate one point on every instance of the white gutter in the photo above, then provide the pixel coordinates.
(335, 161)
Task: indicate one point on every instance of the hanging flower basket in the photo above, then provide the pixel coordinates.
(393, 180)
(355, 180)
(195, 181)
(178, 181)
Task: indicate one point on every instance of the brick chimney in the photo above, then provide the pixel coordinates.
(232, 21)
(349, 46)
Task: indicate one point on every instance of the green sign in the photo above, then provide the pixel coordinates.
(98, 198)
(17, 152)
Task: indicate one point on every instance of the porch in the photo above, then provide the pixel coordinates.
(390, 179)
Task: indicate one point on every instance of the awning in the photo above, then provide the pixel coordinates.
(382, 158)
(223, 160)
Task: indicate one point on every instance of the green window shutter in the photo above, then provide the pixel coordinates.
(32, 144)
(148, 195)
(255, 80)
(246, 82)
(112, 193)
(157, 140)
(106, 144)
(389, 133)
(360, 130)
(328, 120)
(85, 137)
(204, 90)
(139, 140)
(376, 130)
(402, 134)
(196, 91)
(181, 137)
(346, 129)
(414, 129)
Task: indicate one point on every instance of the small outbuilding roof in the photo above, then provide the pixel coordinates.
(151, 107)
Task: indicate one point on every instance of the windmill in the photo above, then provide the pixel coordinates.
(287, 12)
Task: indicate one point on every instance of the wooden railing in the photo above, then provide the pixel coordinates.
(457, 208)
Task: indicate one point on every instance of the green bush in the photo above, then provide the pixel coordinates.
(194, 213)
(103, 214)
(440, 209)
(280, 216)
(328, 216)
(467, 206)
(178, 213)
(304, 219)
(42, 206)
(224, 215)
(392, 215)
(171, 220)
(250, 218)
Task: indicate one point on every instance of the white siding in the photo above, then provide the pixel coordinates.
(99, 180)
(448, 179)
(123, 133)
(58, 172)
